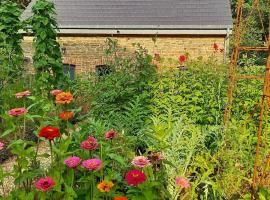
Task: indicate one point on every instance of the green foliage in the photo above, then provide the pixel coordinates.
(75, 183)
(120, 98)
(197, 92)
(11, 55)
(176, 111)
(47, 57)
(256, 31)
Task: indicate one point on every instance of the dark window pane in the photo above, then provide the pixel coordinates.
(69, 70)
(102, 70)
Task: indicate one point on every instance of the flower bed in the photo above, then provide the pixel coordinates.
(100, 164)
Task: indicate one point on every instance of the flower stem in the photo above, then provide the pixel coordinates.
(177, 193)
(24, 121)
(92, 186)
(50, 142)
(36, 153)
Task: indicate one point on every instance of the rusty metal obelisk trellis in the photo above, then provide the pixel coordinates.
(239, 30)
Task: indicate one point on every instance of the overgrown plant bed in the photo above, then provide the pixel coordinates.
(89, 161)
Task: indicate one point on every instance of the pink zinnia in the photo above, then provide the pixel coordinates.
(92, 164)
(182, 182)
(1, 146)
(140, 161)
(72, 162)
(20, 95)
(111, 134)
(17, 112)
(55, 92)
(135, 177)
(44, 184)
(90, 144)
(182, 58)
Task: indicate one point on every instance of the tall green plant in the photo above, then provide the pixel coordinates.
(11, 54)
(47, 58)
(121, 97)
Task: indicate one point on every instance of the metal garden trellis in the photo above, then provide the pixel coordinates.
(240, 29)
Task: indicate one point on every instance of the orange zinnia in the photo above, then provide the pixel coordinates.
(64, 98)
(65, 116)
(105, 186)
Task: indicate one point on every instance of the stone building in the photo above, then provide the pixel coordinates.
(165, 27)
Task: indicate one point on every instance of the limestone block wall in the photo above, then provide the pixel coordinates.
(85, 52)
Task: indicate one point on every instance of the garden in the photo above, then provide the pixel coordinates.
(137, 132)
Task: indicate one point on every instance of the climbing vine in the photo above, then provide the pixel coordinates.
(47, 57)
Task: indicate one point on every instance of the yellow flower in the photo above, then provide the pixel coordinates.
(105, 186)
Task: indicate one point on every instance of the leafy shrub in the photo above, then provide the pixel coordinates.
(197, 92)
(120, 98)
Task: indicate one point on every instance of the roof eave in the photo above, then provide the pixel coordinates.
(146, 31)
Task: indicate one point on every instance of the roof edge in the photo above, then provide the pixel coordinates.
(144, 32)
(154, 27)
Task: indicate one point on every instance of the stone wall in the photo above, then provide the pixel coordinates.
(87, 52)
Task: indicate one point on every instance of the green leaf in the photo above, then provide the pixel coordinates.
(118, 159)
(7, 132)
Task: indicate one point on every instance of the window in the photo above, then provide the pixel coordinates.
(102, 70)
(69, 70)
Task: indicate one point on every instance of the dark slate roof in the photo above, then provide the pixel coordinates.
(142, 14)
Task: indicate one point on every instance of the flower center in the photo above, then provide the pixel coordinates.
(46, 183)
(135, 175)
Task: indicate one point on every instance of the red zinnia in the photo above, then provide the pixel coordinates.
(49, 132)
(182, 58)
(90, 144)
(111, 134)
(215, 46)
(135, 177)
(120, 198)
(45, 184)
